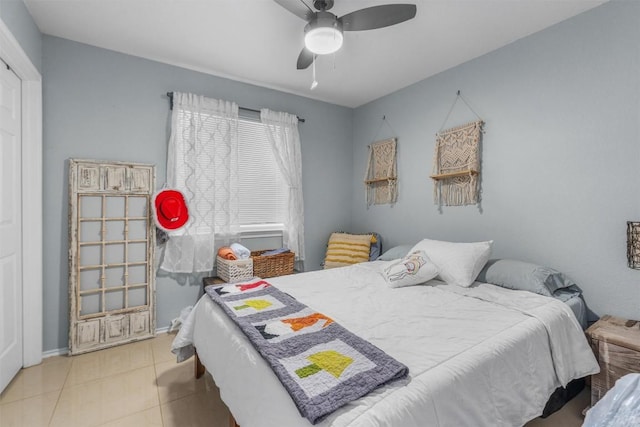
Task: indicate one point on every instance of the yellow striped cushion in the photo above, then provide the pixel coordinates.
(346, 249)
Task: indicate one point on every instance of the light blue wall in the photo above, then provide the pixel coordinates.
(561, 153)
(101, 104)
(17, 18)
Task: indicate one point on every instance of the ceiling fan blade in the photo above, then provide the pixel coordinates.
(377, 17)
(305, 59)
(297, 7)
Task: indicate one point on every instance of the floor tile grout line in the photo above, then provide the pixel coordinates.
(103, 379)
(173, 399)
(164, 405)
(55, 407)
(113, 374)
(20, 373)
(155, 371)
(129, 415)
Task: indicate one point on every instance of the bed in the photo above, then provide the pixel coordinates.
(479, 356)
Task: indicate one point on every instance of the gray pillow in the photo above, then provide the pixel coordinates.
(519, 275)
(395, 252)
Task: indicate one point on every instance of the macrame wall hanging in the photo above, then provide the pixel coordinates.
(381, 178)
(456, 163)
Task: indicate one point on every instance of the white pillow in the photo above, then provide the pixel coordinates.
(413, 269)
(457, 263)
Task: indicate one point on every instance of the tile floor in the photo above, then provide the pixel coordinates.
(137, 384)
(140, 385)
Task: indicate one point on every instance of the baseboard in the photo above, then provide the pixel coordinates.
(56, 352)
(65, 351)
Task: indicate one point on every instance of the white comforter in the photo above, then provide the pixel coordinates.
(479, 356)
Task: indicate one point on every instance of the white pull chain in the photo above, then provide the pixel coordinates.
(314, 83)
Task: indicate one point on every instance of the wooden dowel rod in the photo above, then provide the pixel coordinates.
(454, 174)
(373, 181)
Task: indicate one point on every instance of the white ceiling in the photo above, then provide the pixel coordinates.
(258, 41)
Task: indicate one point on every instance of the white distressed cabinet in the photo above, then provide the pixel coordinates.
(111, 254)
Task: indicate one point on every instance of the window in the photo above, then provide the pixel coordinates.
(234, 181)
(262, 191)
(262, 188)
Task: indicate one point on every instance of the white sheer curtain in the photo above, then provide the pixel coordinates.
(202, 162)
(282, 132)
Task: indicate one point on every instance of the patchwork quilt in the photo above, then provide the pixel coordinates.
(321, 364)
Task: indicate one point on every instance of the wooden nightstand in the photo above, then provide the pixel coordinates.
(211, 281)
(616, 345)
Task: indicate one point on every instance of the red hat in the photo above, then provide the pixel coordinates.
(170, 210)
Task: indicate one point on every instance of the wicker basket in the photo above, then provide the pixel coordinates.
(232, 271)
(272, 265)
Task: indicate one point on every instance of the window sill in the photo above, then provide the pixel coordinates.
(266, 230)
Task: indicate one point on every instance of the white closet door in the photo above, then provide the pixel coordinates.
(10, 227)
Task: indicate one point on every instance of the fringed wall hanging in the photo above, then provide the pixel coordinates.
(381, 178)
(456, 163)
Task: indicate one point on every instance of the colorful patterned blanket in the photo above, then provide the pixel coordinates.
(322, 365)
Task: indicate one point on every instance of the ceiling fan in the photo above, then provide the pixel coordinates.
(323, 32)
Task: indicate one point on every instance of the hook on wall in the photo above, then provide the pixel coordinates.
(458, 96)
(382, 123)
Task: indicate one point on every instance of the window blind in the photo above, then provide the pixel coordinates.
(262, 189)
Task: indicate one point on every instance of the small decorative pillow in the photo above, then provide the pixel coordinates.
(414, 269)
(457, 263)
(346, 249)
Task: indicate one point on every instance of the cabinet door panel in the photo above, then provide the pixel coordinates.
(88, 334)
(140, 179)
(115, 328)
(115, 178)
(88, 178)
(139, 324)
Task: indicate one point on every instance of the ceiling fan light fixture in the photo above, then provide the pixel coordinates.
(323, 33)
(323, 40)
